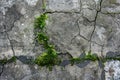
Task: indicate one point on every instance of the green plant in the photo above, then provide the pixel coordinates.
(40, 22)
(75, 60)
(91, 56)
(42, 38)
(88, 56)
(5, 60)
(48, 58)
(13, 59)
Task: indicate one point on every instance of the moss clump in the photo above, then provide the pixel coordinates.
(40, 22)
(88, 56)
(48, 60)
(42, 38)
(92, 57)
(5, 61)
(49, 57)
(13, 59)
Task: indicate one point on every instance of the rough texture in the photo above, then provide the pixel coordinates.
(74, 27)
(63, 5)
(112, 69)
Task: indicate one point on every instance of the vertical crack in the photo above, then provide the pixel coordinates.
(11, 45)
(95, 23)
(102, 49)
(2, 69)
(77, 22)
(79, 34)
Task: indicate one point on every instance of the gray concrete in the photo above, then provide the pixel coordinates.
(74, 26)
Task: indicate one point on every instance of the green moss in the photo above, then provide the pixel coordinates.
(49, 57)
(91, 56)
(40, 22)
(5, 61)
(42, 38)
(88, 56)
(75, 60)
(13, 59)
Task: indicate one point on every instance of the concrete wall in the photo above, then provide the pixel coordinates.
(74, 26)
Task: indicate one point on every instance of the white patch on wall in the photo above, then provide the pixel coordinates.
(100, 33)
(84, 5)
(23, 11)
(112, 70)
(31, 2)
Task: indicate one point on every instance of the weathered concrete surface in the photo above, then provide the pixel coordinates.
(112, 69)
(21, 71)
(74, 26)
(63, 5)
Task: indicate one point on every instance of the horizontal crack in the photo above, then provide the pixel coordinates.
(49, 12)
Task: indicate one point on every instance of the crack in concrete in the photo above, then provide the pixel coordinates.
(49, 12)
(79, 34)
(102, 49)
(95, 24)
(108, 13)
(2, 69)
(11, 45)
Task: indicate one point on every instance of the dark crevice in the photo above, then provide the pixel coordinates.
(79, 34)
(61, 12)
(95, 23)
(11, 44)
(2, 69)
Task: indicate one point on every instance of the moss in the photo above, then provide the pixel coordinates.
(42, 38)
(5, 61)
(49, 57)
(75, 60)
(40, 22)
(13, 59)
(91, 56)
(88, 56)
